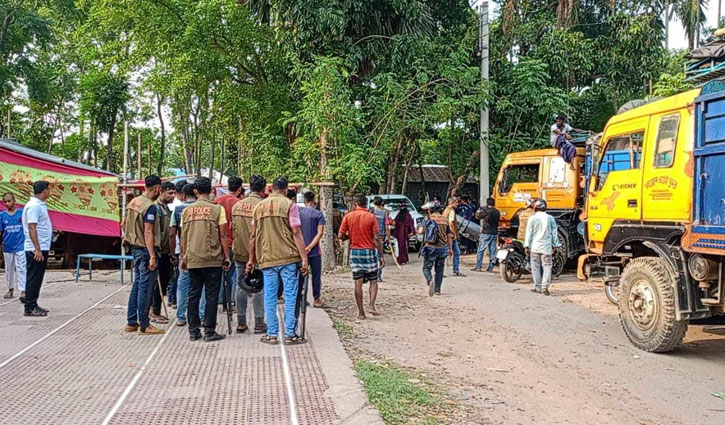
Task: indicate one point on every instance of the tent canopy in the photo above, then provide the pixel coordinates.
(83, 199)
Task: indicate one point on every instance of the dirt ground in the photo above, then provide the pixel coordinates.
(509, 356)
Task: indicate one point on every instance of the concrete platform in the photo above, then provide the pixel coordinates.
(77, 366)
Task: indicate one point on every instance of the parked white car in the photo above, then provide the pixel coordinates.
(392, 204)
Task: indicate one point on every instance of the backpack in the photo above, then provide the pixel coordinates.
(432, 233)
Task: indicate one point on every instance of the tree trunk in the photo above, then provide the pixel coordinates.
(455, 190)
(222, 160)
(211, 157)
(149, 155)
(422, 181)
(94, 143)
(139, 159)
(159, 168)
(185, 141)
(406, 170)
(109, 152)
(328, 237)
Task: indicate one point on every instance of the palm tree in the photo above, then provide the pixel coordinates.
(692, 15)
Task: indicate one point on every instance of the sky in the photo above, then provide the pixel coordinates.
(677, 40)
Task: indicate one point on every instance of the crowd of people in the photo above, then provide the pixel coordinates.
(195, 251)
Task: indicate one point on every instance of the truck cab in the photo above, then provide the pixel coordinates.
(543, 174)
(655, 213)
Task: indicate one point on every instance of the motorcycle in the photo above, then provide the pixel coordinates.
(513, 261)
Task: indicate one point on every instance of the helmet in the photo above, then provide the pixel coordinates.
(253, 282)
(539, 204)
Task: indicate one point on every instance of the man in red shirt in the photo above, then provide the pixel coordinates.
(366, 251)
(236, 192)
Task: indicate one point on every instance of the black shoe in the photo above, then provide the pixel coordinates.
(36, 313)
(195, 337)
(545, 292)
(213, 337)
(22, 299)
(42, 309)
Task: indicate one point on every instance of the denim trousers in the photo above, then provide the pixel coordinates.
(541, 270)
(486, 242)
(456, 257)
(242, 298)
(182, 297)
(287, 276)
(144, 280)
(434, 257)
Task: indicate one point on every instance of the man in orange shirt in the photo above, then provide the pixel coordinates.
(236, 192)
(366, 251)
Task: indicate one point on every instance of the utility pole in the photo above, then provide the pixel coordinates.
(719, 14)
(483, 149)
(138, 157)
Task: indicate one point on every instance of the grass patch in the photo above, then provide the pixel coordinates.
(401, 397)
(343, 329)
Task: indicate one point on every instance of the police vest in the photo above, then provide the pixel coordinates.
(274, 243)
(242, 215)
(200, 233)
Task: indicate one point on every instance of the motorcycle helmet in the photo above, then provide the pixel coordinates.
(253, 282)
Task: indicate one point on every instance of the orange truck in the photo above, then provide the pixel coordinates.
(543, 174)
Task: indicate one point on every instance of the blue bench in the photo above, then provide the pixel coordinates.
(91, 257)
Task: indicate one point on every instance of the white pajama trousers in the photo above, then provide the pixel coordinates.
(15, 266)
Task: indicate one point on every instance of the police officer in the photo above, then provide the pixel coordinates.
(277, 246)
(204, 253)
(241, 222)
(142, 234)
(168, 192)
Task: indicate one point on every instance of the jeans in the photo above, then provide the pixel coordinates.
(486, 242)
(288, 276)
(316, 275)
(173, 285)
(542, 278)
(456, 258)
(242, 297)
(208, 278)
(182, 297)
(164, 272)
(434, 257)
(15, 267)
(141, 291)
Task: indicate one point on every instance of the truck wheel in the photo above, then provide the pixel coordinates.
(647, 306)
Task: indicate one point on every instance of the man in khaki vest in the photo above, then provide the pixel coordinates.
(242, 214)
(277, 247)
(204, 252)
(167, 195)
(142, 234)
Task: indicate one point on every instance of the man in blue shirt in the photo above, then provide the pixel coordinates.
(13, 242)
(313, 227)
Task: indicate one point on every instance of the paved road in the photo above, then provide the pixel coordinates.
(78, 367)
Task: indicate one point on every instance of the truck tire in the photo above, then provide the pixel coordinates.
(647, 306)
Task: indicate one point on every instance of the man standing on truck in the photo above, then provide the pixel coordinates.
(450, 215)
(489, 217)
(541, 242)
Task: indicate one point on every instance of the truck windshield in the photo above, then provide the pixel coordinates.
(522, 173)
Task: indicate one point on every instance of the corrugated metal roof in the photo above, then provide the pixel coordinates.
(14, 146)
(433, 174)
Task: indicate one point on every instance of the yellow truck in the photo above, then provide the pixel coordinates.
(543, 174)
(655, 214)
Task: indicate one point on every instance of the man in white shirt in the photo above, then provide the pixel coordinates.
(173, 284)
(542, 240)
(561, 127)
(38, 236)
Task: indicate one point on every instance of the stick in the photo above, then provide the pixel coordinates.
(227, 302)
(161, 293)
(392, 252)
(303, 305)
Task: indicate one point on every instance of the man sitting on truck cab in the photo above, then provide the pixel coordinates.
(560, 139)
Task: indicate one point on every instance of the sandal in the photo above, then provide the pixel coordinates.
(271, 340)
(9, 294)
(294, 340)
(241, 329)
(36, 313)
